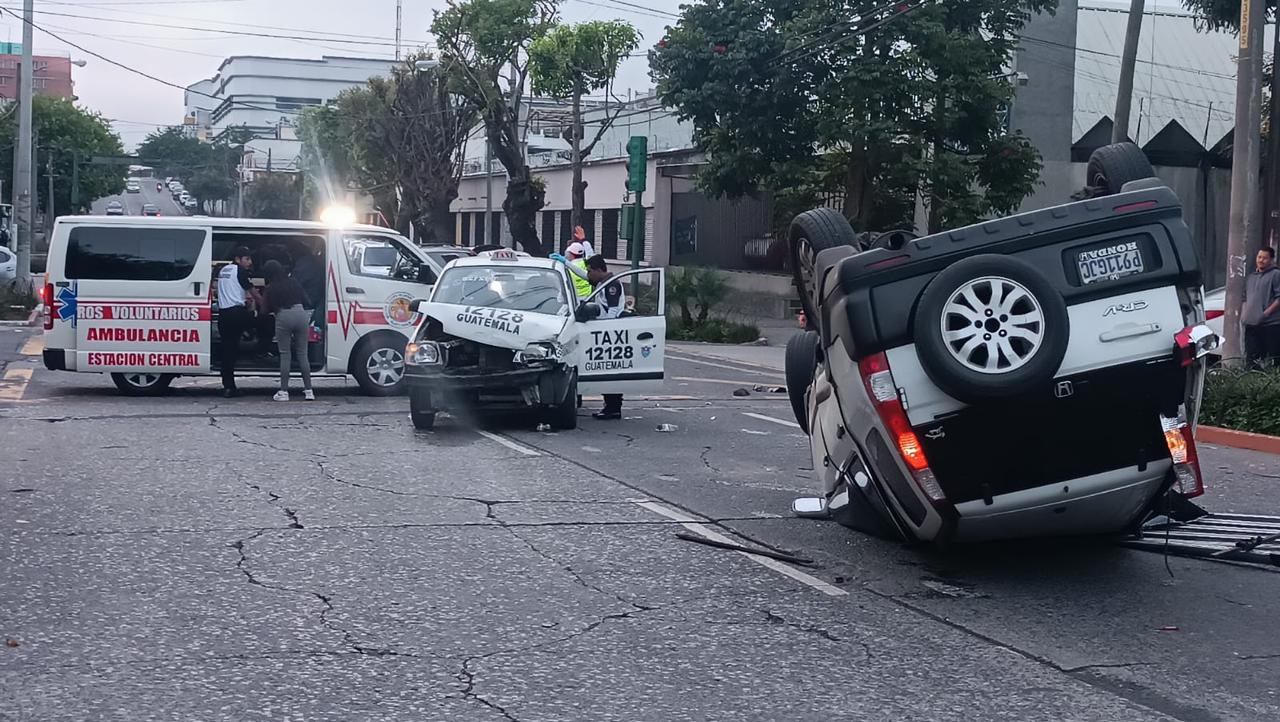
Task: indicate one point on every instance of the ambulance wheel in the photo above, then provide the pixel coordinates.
(378, 364)
(564, 415)
(141, 383)
(421, 413)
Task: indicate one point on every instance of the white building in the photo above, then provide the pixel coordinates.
(266, 94)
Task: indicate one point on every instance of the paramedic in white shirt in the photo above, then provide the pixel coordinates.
(234, 315)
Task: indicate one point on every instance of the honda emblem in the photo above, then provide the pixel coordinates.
(1064, 389)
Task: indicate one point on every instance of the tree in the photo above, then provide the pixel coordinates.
(174, 153)
(797, 98)
(484, 48)
(209, 171)
(273, 195)
(401, 138)
(66, 132)
(571, 61)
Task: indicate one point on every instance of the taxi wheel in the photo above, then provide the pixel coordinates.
(421, 413)
(564, 415)
(141, 383)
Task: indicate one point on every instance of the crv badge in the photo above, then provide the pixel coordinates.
(1125, 308)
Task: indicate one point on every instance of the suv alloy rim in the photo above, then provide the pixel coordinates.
(992, 325)
(386, 366)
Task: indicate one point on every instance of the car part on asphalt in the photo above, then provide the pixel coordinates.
(1245, 538)
(790, 559)
(991, 327)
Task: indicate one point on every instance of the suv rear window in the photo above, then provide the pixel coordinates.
(133, 254)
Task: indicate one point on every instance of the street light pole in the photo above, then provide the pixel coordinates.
(22, 165)
(1124, 89)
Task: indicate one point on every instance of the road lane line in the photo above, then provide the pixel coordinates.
(761, 370)
(727, 382)
(509, 443)
(706, 532)
(14, 384)
(33, 347)
(770, 419)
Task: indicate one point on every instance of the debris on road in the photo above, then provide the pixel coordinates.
(10, 642)
(667, 428)
(761, 388)
(1168, 628)
(741, 392)
(749, 550)
(543, 427)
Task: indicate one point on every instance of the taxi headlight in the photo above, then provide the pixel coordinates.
(425, 353)
(540, 352)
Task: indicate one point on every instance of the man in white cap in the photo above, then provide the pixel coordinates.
(577, 254)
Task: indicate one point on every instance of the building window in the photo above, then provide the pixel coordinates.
(39, 83)
(609, 233)
(4, 79)
(495, 228)
(548, 228)
(566, 230)
(295, 103)
(466, 228)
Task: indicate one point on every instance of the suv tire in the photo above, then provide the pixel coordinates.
(1026, 329)
(801, 363)
(1112, 166)
(813, 232)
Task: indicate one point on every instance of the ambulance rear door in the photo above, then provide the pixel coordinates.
(140, 293)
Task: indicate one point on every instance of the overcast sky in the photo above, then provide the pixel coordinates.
(182, 55)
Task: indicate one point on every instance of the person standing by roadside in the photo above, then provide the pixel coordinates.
(234, 316)
(288, 301)
(1260, 314)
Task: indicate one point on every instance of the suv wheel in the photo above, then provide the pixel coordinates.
(1112, 166)
(813, 232)
(991, 327)
(801, 363)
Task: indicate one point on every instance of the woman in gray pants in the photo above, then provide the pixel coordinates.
(286, 299)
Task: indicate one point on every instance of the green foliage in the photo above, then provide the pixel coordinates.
(64, 131)
(696, 287)
(714, 330)
(1243, 400)
(1221, 14)
(273, 195)
(207, 170)
(580, 58)
(914, 103)
(17, 298)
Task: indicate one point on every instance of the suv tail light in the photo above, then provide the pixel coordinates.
(1216, 313)
(1193, 343)
(884, 396)
(1181, 441)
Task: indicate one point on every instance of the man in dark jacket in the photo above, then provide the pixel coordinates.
(1260, 314)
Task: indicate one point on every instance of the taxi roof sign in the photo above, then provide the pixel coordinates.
(502, 254)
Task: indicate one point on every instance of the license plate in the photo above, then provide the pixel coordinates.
(1104, 264)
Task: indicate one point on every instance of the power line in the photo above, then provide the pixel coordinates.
(328, 37)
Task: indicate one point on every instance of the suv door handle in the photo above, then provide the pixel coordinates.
(1128, 330)
(355, 290)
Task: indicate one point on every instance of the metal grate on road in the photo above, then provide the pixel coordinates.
(1233, 537)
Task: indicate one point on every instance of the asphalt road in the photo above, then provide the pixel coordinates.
(133, 202)
(196, 558)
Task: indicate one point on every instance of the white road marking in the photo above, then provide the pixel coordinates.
(33, 347)
(761, 370)
(509, 443)
(744, 384)
(755, 433)
(772, 420)
(706, 532)
(14, 384)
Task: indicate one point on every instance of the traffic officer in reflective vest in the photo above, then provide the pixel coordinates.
(578, 251)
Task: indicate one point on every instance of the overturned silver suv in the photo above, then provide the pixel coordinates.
(1032, 375)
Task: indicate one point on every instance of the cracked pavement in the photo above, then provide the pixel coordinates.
(189, 558)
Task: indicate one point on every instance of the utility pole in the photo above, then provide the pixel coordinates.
(1271, 203)
(398, 4)
(50, 213)
(1243, 230)
(22, 167)
(488, 190)
(1124, 91)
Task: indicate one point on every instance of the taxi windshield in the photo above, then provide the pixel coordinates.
(536, 290)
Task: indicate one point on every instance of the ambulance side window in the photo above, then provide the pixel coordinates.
(385, 257)
(132, 254)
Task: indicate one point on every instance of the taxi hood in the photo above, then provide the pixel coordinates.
(495, 326)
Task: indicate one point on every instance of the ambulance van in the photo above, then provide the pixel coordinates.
(135, 297)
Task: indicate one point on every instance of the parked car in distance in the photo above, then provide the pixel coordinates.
(8, 265)
(115, 208)
(191, 203)
(150, 209)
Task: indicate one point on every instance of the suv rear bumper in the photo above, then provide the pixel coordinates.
(1097, 504)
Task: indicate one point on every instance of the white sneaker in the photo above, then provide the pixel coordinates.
(309, 395)
(281, 396)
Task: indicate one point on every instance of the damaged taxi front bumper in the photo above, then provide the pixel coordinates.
(513, 382)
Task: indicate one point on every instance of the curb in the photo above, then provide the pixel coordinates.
(31, 321)
(1238, 439)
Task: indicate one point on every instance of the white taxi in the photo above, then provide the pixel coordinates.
(506, 331)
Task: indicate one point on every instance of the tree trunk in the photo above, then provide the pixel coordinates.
(435, 225)
(579, 189)
(856, 185)
(524, 199)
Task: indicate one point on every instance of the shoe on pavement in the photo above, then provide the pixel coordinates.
(607, 415)
(230, 393)
(309, 395)
(281, 396)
